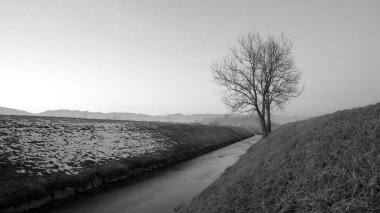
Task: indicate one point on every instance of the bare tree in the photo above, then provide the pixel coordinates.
(279, 74)
(237, 72)
(258, 75)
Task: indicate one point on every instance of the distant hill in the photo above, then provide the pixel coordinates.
(209, 119)
(195, 118)
(283, 120)
(244, 120)
(9, 111)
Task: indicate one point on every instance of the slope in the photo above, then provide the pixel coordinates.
(323, 164)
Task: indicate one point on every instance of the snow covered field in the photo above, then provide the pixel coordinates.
(35, 146)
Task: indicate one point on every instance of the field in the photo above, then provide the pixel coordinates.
(44, 159)
(324, 164)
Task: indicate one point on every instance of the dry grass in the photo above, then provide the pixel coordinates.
(324, 164)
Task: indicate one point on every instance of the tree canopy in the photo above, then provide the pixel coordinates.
(258, 75)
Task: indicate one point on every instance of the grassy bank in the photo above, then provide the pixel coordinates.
(45, 159)
(324, 164)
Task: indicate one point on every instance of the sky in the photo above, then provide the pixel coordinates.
(153, 57)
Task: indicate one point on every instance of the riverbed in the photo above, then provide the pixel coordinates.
(160, 191)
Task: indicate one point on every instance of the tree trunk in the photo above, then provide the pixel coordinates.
(262, 119)
(263, 125)
(269, 121)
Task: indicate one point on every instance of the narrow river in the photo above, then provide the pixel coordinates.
(160, 191)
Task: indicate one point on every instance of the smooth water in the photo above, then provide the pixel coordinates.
(160, 191)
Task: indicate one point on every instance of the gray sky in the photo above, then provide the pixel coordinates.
(154, 56)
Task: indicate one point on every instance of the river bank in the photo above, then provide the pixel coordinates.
(324, 164)
(47, 159)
